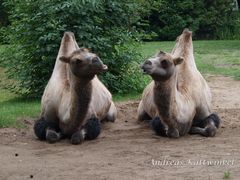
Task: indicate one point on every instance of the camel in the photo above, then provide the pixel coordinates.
(178, 100)
(74, 101)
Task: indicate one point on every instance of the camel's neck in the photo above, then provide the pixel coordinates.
(165, 97)
(81, 93)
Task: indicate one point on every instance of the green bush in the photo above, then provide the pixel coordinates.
(3, 21)
(167, 18)
(208, 19)
(105, 26)
(218, 20)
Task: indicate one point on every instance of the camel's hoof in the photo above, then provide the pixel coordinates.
(173, 133)
(52, 136)
(210, 131)
(77, 138)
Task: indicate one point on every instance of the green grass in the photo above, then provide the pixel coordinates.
(214, 57)
(126, 97)
(13, 108)
(227, 175)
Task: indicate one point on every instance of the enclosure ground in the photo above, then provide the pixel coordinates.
(127, 149)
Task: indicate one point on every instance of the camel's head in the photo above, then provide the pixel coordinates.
(84, 63)
(161, 66)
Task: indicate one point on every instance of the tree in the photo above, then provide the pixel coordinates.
(208, 19)
(104, 26)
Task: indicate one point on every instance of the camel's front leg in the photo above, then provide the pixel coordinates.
(160, 128)
(89, 131)
(172, 130)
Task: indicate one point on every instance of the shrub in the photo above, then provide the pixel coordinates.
(208, 19)
(218, 20)
(105, 26)
(3, 21)
(171, 17)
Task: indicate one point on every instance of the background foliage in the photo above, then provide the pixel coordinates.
(32, 29)
(208, 19)
(101, 25)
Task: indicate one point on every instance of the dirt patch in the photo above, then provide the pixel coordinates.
(128, 150)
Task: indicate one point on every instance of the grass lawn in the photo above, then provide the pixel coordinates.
(215, 57)
(13, 107)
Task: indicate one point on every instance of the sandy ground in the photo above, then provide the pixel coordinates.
(128, 150)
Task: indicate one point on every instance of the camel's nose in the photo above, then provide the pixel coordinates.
(146, 63)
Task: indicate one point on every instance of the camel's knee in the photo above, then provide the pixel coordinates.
(158, 127)
(40, 127)
(92, 128)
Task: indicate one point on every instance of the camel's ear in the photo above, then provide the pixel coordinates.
(64, 59)
(160, 53)
(178, 60)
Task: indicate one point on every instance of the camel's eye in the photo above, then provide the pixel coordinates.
(78, 61)
(164, 63)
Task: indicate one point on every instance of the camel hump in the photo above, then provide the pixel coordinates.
(68, 36)
(187, 31)
(68, 44)
(187, 34)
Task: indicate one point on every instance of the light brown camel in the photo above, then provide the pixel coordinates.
(74, 101)
(178, 99)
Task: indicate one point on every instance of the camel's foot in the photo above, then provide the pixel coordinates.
(173, 133)
(77, 137)
(209, 131)
(52, 136)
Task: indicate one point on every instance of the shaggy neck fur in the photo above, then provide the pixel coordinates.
(81, 92)
(165, 97)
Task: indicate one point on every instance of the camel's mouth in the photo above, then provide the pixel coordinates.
(104, 67)
(145, 70)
